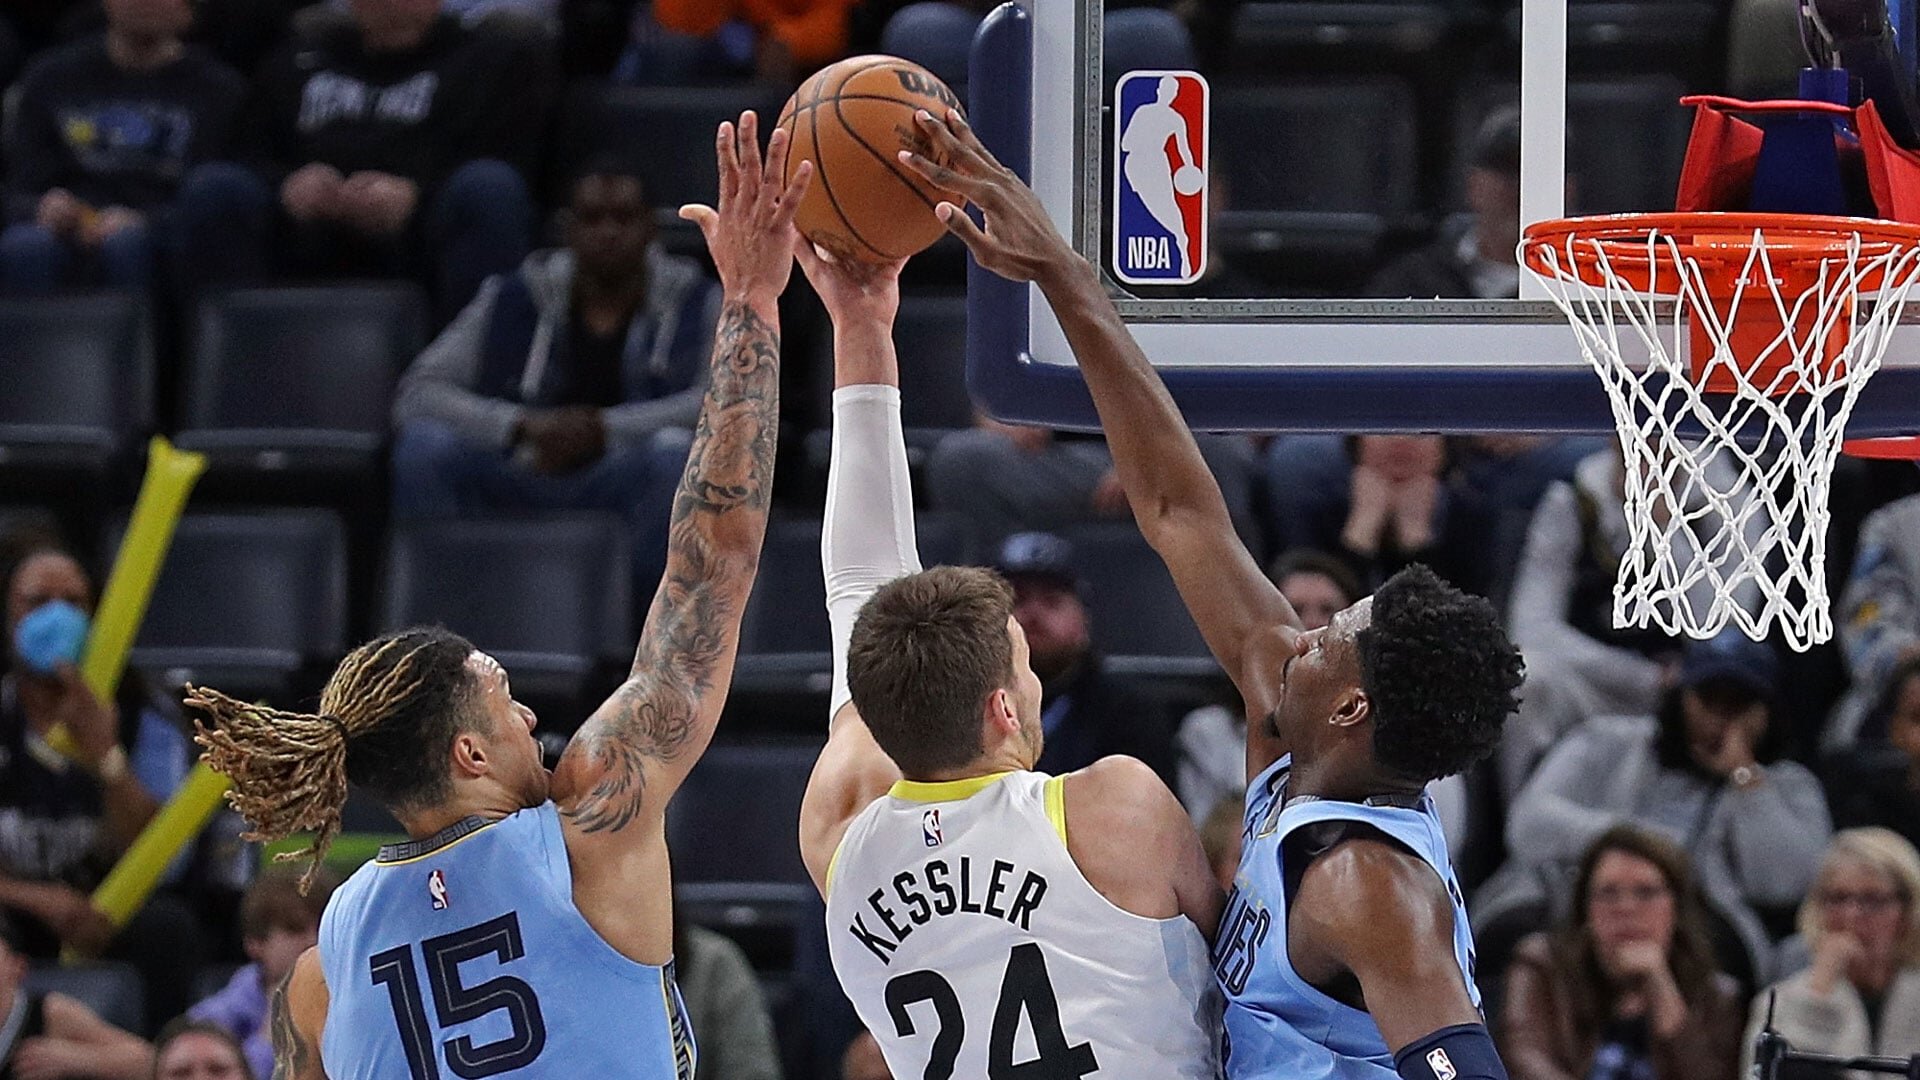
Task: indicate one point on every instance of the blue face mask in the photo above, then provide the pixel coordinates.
(52, 634)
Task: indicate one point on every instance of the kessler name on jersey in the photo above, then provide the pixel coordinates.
(942, 887)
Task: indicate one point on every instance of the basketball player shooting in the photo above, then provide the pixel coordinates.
(527, 925)
(968, 897)
(1345, 951)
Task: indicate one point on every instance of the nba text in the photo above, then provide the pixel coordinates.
(938, 890)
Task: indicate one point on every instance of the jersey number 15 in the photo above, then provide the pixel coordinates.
(1024, 989)
(457, 1003)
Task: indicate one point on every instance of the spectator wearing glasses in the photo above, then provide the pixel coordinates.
(1705, 772)
(1861, 992)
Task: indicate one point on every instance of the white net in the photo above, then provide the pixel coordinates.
(1726, 489)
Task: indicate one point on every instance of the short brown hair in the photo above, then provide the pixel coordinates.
(926, 652)
(274, 902)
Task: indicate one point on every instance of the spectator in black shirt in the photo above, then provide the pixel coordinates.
(396, 142)
(1086, 712)
(64, 821)
(570, 384)
(104, 131)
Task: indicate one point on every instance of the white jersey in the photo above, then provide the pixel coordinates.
(970, 943)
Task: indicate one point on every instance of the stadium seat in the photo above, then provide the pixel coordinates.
(112, 990)
(79, 374)
(943, 537)
(736, 860)
(930, 335)
(1359, 33)
(1143, 38)
(1316, 173)
(1674, 35)
(1627, 137)
(25, 521)
(549, 597)
(1138, 621)
(666, 131)
(784, 641)
(937, 36)
(247, 601)
(299, 379)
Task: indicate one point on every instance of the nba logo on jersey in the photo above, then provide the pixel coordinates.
(437, 890)
(930, 826)
(1161, 142)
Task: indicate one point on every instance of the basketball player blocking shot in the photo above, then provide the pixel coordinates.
(526, 926)
(1344, 952)
(986, 920)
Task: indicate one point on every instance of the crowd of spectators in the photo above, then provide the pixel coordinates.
(1668, 830)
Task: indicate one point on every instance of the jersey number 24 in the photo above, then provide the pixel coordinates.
(1024, 989)
(456, 1003)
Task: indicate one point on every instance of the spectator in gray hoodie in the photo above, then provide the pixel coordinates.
(1579, 664)
(1702, 771)
(569, 384)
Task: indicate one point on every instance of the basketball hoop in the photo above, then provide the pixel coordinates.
(1758, 333)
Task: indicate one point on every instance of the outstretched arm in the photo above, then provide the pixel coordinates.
(867, 539)
(1174, 497)
(614, 780)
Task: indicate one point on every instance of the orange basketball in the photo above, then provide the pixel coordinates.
(851, 120)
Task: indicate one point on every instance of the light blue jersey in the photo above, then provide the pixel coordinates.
(1276, 1024)
(462, 956)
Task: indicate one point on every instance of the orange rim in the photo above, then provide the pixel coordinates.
(1714, 238)
(1895, 448)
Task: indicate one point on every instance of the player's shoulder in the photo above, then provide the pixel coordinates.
(1369, 883)
(1125, 796)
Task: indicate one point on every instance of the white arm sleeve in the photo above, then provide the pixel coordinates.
(867, 539)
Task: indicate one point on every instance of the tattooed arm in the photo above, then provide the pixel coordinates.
(614, 780)
(296, 1017)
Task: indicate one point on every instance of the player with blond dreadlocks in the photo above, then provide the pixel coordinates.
(526, 926)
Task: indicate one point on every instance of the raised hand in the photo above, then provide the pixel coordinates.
(750, 235)
(851, 289)
(1019, 241)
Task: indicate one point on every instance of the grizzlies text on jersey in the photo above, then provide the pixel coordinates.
(1277, 1025)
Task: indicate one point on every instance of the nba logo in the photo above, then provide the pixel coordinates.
(1161, 142)
(437, 890)
(930, 826)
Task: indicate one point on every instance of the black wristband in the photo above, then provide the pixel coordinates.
(1460, 1052)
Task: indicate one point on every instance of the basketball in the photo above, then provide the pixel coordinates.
(1188, 180)
(851, 120)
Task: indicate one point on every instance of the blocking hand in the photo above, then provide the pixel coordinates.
(750, 235)
(1019, 241)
